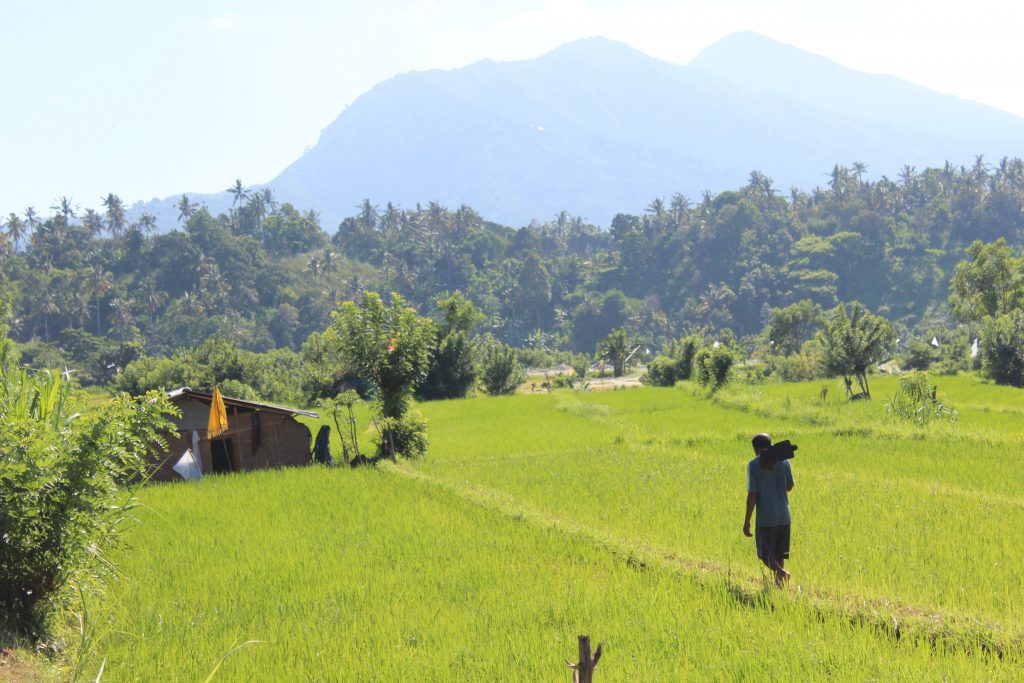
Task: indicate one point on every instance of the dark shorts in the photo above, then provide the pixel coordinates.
(772, 542)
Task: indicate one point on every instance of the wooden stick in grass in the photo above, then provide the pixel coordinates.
(583, 672)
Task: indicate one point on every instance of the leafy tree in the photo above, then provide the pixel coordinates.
(500, 371)
(593, 321)
(1002, 348)
(389, 346)
(919, 356)
(453, 369)
(852, 341)
(990, 283)
(791, 326)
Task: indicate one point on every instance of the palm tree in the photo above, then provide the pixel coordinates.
(312, 218)
(268, 200)
(155, 298)
(657, 208)
(121, 315)
(679, 207)
(102, 282)
(81, 306)
(354, 287)
(859, 168)
(186, 209)
(329, 262)
(368, 214)
(258, 207)
(64, 208)
(15, 229)
(31, 219)
(93, 222)
(116, 219)
(239, 191)
(147, 223)
(314, 268)
(48, 306)
(194, 302)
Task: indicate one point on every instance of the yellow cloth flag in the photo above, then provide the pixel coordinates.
(218, 415)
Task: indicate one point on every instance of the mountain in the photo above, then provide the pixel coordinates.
(596, 127)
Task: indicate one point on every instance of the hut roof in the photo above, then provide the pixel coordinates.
(185, 393)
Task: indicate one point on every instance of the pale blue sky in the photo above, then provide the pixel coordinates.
(148, 99)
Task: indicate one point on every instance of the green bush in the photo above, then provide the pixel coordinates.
(800, 367)
(64, 487)
(919, 356)
(661, 372)
(917, 402)
(500, 371)
(409, 434)
(1002, 349)
(684, 353)
(712, 366)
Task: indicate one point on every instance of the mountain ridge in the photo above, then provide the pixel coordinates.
(597, 127)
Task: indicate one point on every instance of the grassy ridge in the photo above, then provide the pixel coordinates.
(535, 518)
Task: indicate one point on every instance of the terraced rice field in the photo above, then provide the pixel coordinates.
(617, 514)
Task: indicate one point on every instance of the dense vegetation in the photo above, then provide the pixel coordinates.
(536, 518)
(65, 482)
(95, 290)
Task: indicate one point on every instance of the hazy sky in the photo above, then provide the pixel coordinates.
(148, 99)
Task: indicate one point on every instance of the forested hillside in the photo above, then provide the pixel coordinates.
(92, 290)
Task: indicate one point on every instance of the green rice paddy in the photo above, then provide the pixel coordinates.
(616, 514)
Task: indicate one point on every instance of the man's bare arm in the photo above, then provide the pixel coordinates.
(751, 502)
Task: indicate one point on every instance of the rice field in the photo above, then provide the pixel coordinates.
(617, 514)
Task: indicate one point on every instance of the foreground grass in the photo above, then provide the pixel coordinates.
(376, 575)
(535, 518)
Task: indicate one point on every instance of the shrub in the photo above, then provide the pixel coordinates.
(683, 355)
(409, 434)
(919, 356)
(800, 367)
(915, 402)
(500, 370)
(1002, 349)
(63, 487)
(712, 366)
(661, 372)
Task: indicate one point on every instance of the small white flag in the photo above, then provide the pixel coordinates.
(187, 466)
(935, 342)
(974, 348)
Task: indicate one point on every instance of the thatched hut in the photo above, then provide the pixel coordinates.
(259, 435)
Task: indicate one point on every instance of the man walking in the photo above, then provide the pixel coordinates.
(768, 487)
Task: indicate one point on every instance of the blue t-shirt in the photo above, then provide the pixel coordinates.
(771, 489)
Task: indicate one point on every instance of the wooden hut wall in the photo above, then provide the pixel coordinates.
(283, 441)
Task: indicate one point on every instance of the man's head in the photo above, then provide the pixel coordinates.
(761, 442)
